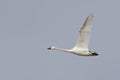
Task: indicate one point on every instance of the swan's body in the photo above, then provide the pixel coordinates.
(81, 48)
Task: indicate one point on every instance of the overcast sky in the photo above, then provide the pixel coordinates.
(28, 27)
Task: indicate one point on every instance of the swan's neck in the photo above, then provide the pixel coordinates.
(61, 49)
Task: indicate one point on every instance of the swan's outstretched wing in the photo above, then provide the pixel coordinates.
(84, 34)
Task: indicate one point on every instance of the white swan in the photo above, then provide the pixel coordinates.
(81, 48)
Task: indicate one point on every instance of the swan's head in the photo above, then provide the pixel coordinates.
(51, 48)
(94, 53)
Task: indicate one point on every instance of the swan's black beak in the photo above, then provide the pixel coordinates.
(49, 48)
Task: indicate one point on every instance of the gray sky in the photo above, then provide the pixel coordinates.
(28, 27)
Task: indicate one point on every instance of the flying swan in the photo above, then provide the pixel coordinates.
(81, 48)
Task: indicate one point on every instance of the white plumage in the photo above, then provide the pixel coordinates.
(81, 48)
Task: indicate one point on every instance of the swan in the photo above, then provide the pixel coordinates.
(81, 48)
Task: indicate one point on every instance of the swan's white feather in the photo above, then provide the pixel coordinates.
(81, 48)
(84, 34)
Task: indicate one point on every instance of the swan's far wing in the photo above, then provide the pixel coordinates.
(84, 34)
